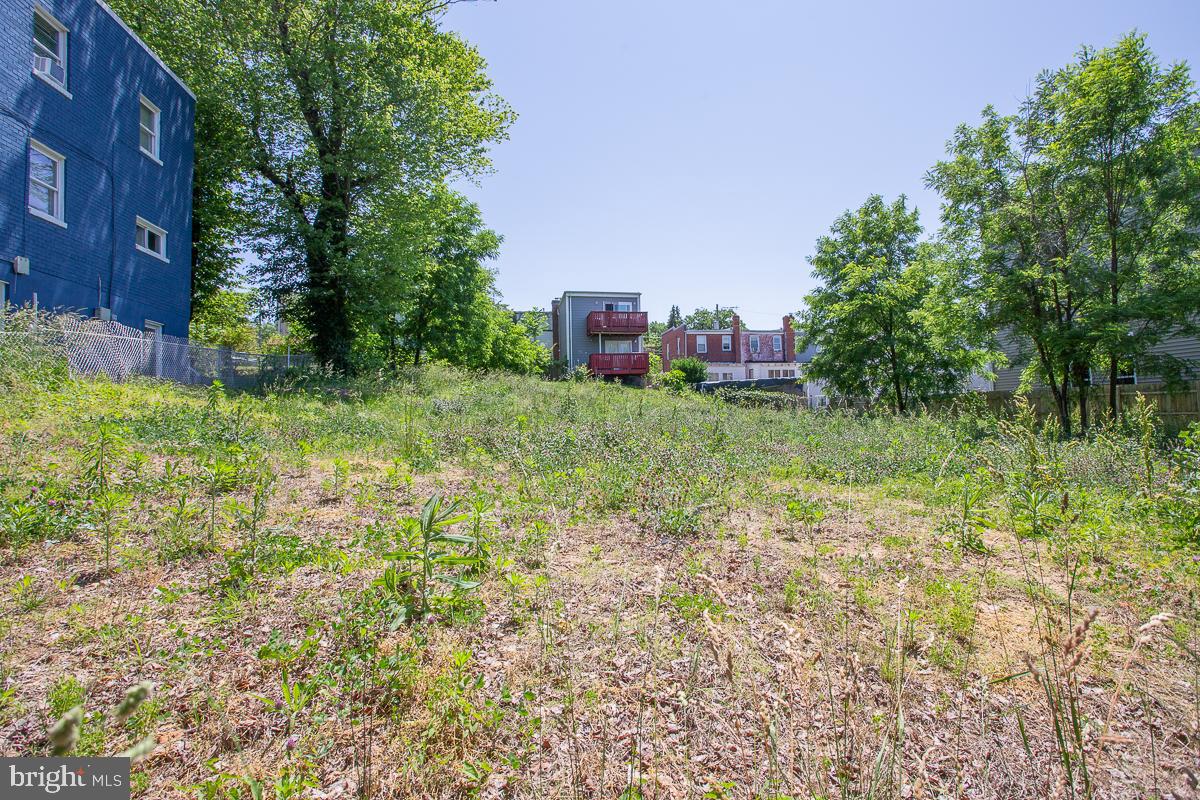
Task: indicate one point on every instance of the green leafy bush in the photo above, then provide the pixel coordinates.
(694, 370)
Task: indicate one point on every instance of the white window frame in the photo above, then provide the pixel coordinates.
(3, 295)
(754, 344)
(58, 212)
(726, 343)
(153, 155)
(63, 34)
(162, 237)
(777, 342)
(702, 344)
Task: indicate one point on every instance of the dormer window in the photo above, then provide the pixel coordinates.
(49, 49)
(148, 123)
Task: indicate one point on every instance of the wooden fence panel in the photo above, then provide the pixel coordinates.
(1176, 409)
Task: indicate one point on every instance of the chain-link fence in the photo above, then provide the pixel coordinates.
(92, 346)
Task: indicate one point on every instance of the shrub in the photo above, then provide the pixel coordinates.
(758, 398)
(694, 370)
(674, 381)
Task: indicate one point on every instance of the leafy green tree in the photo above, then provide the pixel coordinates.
(339, 101)
(422, 288)
(1130, 130)
(225, 321)
(869, 317)
(674, 318)
(1074, 220)
(1017, 228)
(653, 338)
(710, 318)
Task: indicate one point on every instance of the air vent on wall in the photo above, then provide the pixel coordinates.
(21, 265)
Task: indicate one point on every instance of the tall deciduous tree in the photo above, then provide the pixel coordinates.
(868, 316)
(422, 282)
(1074, 220)
(711, 319)
(1015, 222)
(340, 100)
(1130, 129)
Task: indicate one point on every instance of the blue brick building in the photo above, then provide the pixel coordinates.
(96, 138)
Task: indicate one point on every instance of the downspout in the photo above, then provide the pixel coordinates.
(112, 206)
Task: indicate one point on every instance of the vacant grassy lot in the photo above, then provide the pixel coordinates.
(621, 593)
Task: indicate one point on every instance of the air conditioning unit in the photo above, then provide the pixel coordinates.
(103, 313)
(48, 66)
(21, 265)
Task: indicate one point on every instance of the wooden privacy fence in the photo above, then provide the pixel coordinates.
(1176, 409)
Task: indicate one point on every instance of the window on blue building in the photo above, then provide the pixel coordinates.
(45, 183)
(151, 239)
(49, 48)
(148, 120)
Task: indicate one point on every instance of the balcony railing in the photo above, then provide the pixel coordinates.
(624, 323)
(619, 363)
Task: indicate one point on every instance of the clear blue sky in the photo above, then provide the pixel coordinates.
(694, 151)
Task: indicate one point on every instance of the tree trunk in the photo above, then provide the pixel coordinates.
(1083, 386)
(326, 301)
(1062, 398)
(1115, 297)
(897, 387)
(1114, 397)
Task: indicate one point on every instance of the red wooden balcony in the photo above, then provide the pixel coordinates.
(619, 363)
(623, 323)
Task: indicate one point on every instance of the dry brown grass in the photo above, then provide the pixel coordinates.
(750, 660)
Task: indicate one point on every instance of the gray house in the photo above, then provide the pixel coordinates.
(602, 331)
(545, 335)
(1185, 348)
